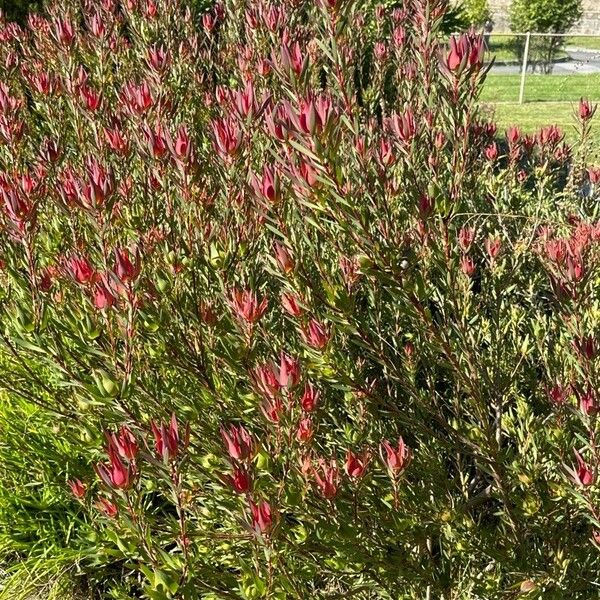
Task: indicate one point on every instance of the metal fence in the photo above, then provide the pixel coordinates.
(526, 48)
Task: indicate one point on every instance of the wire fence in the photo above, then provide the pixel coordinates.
(542, 67)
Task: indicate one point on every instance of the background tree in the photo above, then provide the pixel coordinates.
(476, 12)
(16, 10)
(544, 16)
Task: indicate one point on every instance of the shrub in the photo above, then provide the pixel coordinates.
(17, 10)
(544, 16)
(280, 315)
(476, 12)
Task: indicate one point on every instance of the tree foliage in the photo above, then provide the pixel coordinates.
(476, 12)
(544, 16)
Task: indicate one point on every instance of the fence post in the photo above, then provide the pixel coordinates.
(524, 68)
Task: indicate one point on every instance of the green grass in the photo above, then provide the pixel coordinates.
(503, 50)
(502, 47)
(584, 42)
(531, 117)
(549, 100)
(542, 88)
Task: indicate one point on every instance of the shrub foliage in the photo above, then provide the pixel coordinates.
(282, 317)
(544, 16)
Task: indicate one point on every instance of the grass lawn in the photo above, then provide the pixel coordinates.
(549, 100)
(584, 42)
(502, 48)
(533, 116)
(542, 88)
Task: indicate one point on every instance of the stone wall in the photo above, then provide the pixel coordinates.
(590, 23)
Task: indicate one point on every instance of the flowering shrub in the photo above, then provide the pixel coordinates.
(299, 324)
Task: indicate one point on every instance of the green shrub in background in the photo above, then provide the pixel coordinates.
(543, 16)
(476, 12)
(17, 10)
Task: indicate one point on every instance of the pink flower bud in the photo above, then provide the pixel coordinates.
(355, 465)
(262, 519)
(291, 59)
(586, 110)
(315, 335)
(96, 25)
(167, 440)
(239, 481)
(244, 101)
(158, 58)
(399, 37)
(587, 401)
(582, 474)
(396, 459)
(251, 16)
(310, 398)
(77, 488)
(466, 235)
(97, 186)
(380, 51)
(289, 371)
(116, 140)
(103, 296)
(107, 507)
(594, 175)
(227, 137)
(558, 394)
(266, 380)
(305, 430)
(575, 269)
(513, 135)
(386, 153)
(123, 442)
(327, 478)
(284, 258)
(136, 99)
(156, 143)
(493, 246)
(556, 251)
(115, 474)
(290, 304)
(182, 146)
(150, 10)
(272, 409)
(90, 97)
(239, 443)
(63, 31)
(269, 186)
(467, 266)
(246, 307)
(454, 57)
(491, 152)
(49, 151)
(127, 269)
(80, 269)
(465, 51)
(550, 136)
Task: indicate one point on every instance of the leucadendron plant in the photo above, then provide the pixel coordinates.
(300, 321)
